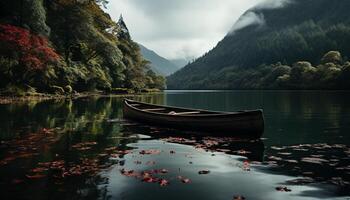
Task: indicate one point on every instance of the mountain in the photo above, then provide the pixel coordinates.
(283, 32)
(180, 63)
(158, 64)
(66, 46)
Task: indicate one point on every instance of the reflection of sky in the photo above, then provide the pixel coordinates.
(226, 177)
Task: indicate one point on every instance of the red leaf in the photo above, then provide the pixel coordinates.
(149, 152)
(163, 182)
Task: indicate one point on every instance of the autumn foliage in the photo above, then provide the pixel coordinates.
(32, 51)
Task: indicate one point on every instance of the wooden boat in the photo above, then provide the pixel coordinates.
(241, 124)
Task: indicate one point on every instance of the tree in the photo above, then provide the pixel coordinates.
(332, 57)
(33, 51)
(302, 75)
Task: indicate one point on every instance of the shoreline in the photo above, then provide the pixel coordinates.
(45, 97)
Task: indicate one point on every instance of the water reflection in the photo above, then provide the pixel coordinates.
(252, 149)
(78, 149)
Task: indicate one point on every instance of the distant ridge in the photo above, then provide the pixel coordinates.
(159, 64)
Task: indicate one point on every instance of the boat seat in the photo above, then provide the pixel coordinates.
(135, 105)
(154, 109)
(184, 113)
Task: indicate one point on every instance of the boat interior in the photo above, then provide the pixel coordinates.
(169, 110)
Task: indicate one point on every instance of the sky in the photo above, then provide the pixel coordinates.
(179, 29)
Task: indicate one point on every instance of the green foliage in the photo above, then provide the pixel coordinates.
(92, 56)
(119, 91)
(332, 57)
(57, 90)
(68, 89)
(301, 75)
(34, 16)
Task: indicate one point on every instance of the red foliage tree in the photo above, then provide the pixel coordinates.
(33, 50)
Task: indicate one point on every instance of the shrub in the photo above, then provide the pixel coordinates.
(57, 90)
(68, 89)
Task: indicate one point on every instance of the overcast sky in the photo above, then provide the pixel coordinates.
(179, 28)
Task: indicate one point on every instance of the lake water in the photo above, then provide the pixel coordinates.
(84, 149)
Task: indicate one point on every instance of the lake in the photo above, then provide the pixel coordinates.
(84, 149)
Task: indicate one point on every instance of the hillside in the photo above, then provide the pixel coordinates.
(158, 64)
(63, 46)
(263, 36)
(180, 63)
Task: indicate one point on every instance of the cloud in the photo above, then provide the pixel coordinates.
(251, 17)
(272, 4)
(179, 28)
(248, 19)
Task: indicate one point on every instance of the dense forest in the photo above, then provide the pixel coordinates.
(299, 30)
(67, 46)
(332, 72)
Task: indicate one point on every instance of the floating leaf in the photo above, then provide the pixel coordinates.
(238, 197)
(204, 172)
(39, 169)
(137, 162)
(36, 176)
(184, 180)
(283, 189)
(149, 152)
(163, 182)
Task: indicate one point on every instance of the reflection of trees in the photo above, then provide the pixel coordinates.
(78, 121)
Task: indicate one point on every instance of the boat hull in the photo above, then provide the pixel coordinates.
(247, 124)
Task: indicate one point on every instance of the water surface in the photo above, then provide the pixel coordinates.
(84, 149)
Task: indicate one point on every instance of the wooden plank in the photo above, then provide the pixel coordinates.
(186, 113)
(154, 109)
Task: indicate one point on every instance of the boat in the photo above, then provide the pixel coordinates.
(248, 124)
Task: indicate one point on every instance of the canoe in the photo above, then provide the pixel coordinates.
(248, 124)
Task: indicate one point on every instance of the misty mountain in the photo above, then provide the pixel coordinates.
(284, 31)
(158, 64)
(180, 63)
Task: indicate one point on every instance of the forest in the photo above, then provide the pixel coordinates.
(68, 46)
(333, 71)
(303, 30)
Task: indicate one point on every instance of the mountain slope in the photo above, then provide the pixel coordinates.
(300, 30)
(158, 64)
(180, 63)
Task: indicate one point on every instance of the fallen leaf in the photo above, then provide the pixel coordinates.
(238, 197)
(163, 182)
(283, 189)
(149, 152)
(204, 172)
(36, 176)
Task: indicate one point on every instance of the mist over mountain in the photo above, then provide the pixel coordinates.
(281, 32)
(180, 63)
(158, 64)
